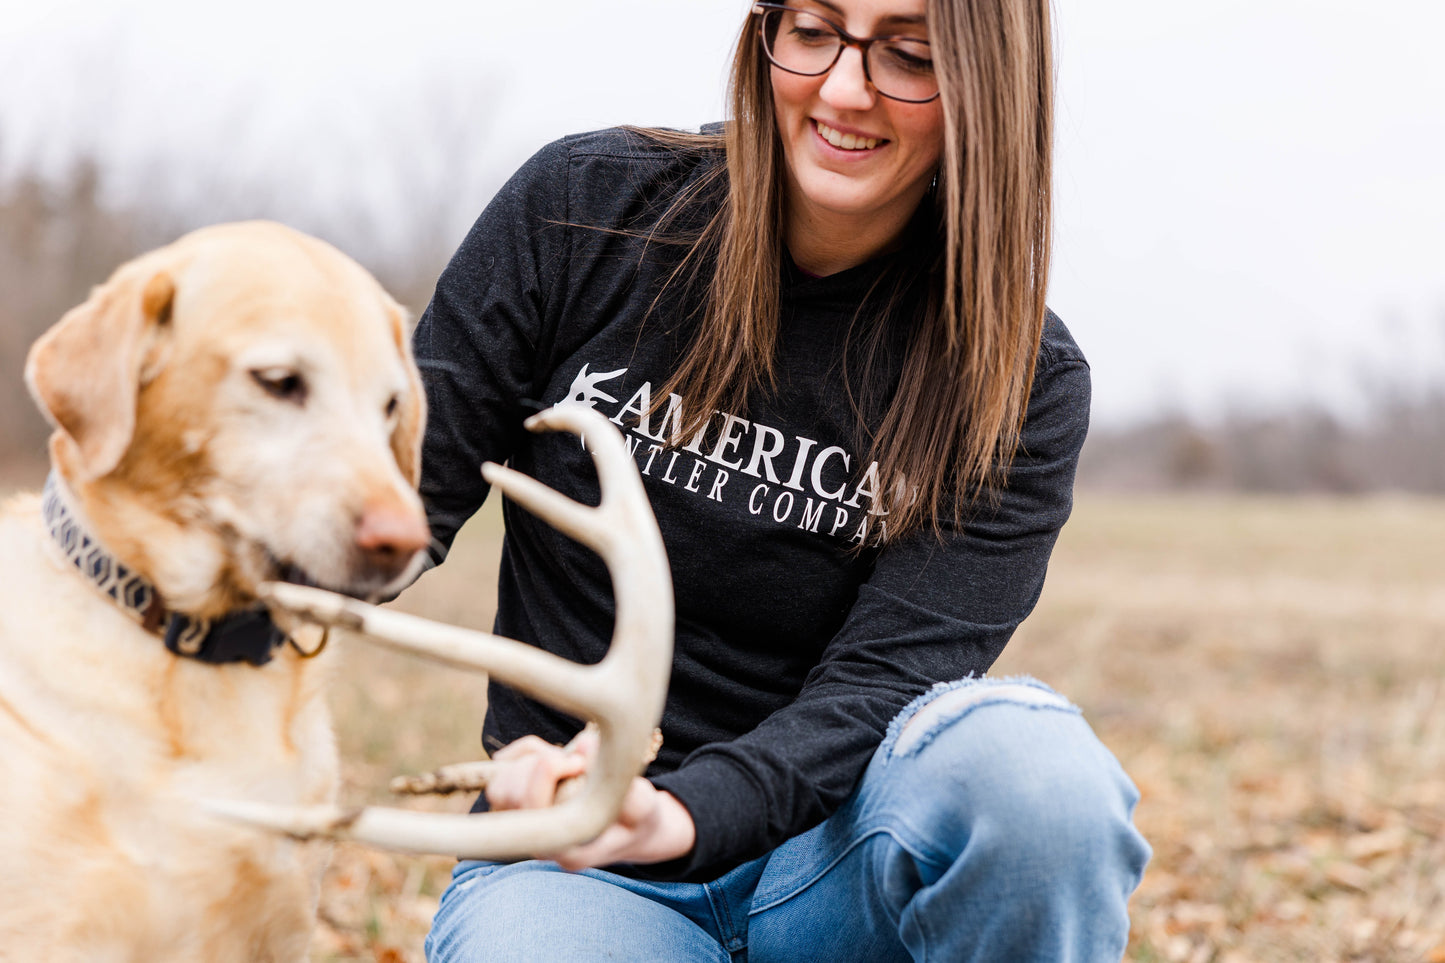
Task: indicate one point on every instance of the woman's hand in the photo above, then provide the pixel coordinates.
(653, 826)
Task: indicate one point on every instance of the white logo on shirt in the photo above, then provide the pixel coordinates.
(584, 390)
(793, 479)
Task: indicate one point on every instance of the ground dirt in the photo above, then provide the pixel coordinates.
(1271, 673)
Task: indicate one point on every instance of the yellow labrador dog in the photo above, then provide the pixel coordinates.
(240, 406)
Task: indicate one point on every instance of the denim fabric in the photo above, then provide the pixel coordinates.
(995, 829)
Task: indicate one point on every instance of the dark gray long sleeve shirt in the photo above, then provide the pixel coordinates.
(798, 636)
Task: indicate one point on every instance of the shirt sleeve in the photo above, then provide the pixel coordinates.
(932, 611)
(478, 341)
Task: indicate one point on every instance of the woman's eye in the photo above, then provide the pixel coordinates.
(281, 383)
(811, 35)
(393, 404)
(810, 29)
(912, 58)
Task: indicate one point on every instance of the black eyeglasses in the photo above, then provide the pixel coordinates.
(801, 42)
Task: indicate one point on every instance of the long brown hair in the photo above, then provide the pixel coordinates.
(949, 432)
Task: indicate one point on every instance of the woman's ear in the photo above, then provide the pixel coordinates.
(85, 372)
(406, 438)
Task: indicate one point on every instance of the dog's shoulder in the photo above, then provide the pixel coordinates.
(19, 520)
(26, 563)
(41, 596)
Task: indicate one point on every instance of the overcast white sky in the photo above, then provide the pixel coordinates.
(1250, 193)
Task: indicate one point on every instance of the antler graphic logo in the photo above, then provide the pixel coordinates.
(584, 390)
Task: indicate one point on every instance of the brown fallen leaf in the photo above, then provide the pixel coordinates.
(1349, 876)
(1195, 916)
(1369, 845)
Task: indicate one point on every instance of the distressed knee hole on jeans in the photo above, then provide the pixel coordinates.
(955, 703)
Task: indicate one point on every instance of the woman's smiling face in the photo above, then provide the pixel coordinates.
(850, 151)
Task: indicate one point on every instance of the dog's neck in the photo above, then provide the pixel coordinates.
(246, 635)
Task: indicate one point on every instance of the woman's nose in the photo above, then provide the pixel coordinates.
(847, 86)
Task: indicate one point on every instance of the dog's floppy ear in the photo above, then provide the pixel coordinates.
(85, 372)
(407, 436)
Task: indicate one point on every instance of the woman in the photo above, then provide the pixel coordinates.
(822, 330)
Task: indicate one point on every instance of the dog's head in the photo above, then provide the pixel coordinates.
(240, 406)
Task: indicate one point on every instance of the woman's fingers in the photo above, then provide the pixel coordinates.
(586, 743)
(522, 747)
(653, 827)
(528, 773)
(619, 839)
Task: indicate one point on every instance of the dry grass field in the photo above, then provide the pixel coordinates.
(1270, 672)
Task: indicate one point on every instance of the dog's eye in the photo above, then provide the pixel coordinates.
(393, 403)
(282, 383)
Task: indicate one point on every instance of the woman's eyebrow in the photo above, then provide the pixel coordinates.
(831, 6)
(893, 18)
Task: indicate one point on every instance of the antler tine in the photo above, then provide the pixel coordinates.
(631, 680)
(540, 674)
(629, 541)
(623, 694)
(557, 510)
(616, 472)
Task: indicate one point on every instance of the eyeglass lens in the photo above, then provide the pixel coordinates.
(803, 43)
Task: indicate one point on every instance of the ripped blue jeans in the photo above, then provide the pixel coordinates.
(990, 826)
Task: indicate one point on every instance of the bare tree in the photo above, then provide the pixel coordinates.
(1397, 442)
(421, 174)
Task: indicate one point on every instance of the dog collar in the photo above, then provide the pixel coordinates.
(248, 635)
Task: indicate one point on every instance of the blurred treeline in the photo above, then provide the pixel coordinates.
(59, 236)
(56, 241)
(1396, 442)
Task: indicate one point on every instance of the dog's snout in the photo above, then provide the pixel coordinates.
(389, 534)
